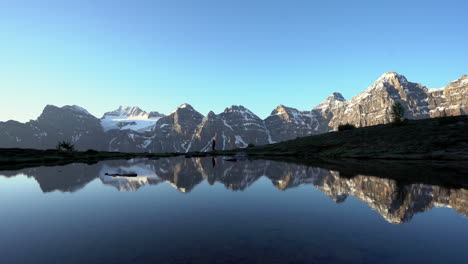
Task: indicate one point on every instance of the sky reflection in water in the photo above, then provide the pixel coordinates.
(181, 210)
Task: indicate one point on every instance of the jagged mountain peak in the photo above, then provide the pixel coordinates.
(185, 111)
(240, 111)
(336, 97)
(291, 114)
(137, 130)
(77, 109)
(393, 78)
(460, 82)
(211, 114)
(129, 118)
(282, 109)
(392, 75)
(334, 100)
(127, 111)
(128, 108)
(388, 79)
(50, 109)
(183, 106)
(233, 108)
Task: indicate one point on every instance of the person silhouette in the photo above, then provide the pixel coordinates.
(213, 145)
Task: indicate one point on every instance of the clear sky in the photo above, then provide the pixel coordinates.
(215, 53)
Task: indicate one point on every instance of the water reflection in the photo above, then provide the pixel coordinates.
(397, 198)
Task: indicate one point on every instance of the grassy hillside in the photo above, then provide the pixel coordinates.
(444, 138)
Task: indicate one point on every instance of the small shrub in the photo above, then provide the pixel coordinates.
(91, 151)
(397, 112)
(65, 146)
(250, 145)
(346, 126)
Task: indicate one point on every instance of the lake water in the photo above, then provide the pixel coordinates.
(208, 210)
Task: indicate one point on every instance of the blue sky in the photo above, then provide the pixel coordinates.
(214, 53)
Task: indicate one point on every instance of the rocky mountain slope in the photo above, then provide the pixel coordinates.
(70, 123)
(130, 129)
(176, 131)
(450, 100)
(287, 123)
(132, 118)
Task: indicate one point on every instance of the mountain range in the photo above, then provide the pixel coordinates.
(130, 129)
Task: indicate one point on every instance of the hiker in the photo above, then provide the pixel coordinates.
(213, 145)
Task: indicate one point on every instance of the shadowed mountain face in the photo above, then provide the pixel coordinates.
(71, 123)
(175, 131)
(397, 198)
(286, 123)
(130, 129)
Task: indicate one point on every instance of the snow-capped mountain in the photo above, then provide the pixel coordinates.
(373, 106)
(247, 126)
(236, 127)
(129, 117)
(450, 100)
(130, 129)
(176, 131)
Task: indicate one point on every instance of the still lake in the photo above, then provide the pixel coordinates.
(209, 210)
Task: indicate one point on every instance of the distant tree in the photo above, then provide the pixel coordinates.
(65, 146)
(397, 112)
(346, 126)
(250, 145)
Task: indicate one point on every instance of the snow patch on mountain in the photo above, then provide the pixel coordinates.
(433, 90)
(244, 112)
(239, 141)
(132, 118)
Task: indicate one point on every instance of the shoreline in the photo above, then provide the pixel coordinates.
(434, 139)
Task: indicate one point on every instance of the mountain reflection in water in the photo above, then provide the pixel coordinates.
(397, 198)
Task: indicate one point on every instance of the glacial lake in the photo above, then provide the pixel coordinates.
(209, 210)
